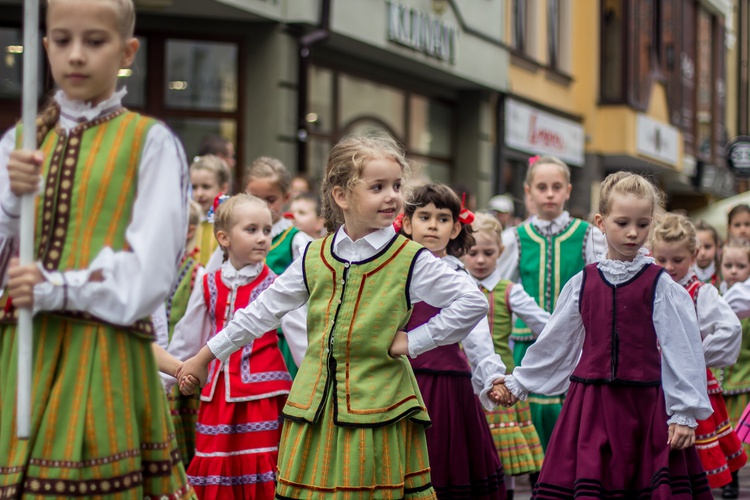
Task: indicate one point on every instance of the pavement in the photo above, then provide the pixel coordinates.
(523, 488)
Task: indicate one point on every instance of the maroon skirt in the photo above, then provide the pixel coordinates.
(463, 461)
(611, 442)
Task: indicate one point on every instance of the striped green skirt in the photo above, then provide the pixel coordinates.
(184, 412)
(544, 409)
(326, 461)
(100, 424)
(516, 439)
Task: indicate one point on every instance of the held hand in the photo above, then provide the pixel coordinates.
(194, 371)
(501, 395)
(400, 345)
(24, 169)
(188, 385)
(680, 437)
(21, 281)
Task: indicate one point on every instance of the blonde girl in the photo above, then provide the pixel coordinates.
(355, 421)
(625, 338)
(674, 245)
(543, 254)
(100, 423)
(515, 437)
(209, 177)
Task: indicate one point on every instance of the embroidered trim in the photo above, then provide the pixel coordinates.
(232, 480)
(215, 430)
(251, 451)
(264, 376)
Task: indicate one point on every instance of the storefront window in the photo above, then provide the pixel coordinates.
(192, 130)
(11, 65)
(201, 75)
(705, 84)
(612, 51)
(430, 126)
(134, 78)
(364, 99)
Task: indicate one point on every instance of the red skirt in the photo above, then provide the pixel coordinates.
(719, 448)
(236, 447)
(611, 442)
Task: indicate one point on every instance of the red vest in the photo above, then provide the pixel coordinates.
(256, 371)
(621, 344)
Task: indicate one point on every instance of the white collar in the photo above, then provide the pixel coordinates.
(280, 226)
(622, 269)
(549, 226)
(705, 273)
(686, 279)
(491, 281)
(377, 239)
(453, 262)
(248, 272)
(76, 112)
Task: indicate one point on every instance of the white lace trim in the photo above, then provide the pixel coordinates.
(705, 274)
(232, 276)
(623, 268)
(515, 388)
(686, 278)
(551, 226)
(80, 109)
(683, 420)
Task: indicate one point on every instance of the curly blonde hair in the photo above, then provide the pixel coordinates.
(674, 228)
(622, 183)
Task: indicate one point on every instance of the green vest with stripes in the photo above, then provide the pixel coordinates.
(280, 255)
(500, 320)
(546, 263)
(354, 311)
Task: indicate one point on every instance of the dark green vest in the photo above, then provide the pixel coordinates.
(280, 255)
(354, 311)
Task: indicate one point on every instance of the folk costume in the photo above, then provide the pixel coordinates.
(463, 459)
(544, 255)
(239, 424)
(627, 337)
(719, 448)
(709, 274)
(355, 419)
(205, 242)
(100, 424)
(513, 431)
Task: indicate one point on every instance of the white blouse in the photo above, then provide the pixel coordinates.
(432, 282)
(520, 303)
(720, 328)
(487, 366)
(549, 363)
(704, 274)
(138, 280)
(508, 262)
(738, 298)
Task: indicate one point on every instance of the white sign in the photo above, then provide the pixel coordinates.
(535, 132)
(657, 140)
(422, 32)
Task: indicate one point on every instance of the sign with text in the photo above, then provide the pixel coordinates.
(738, 156)
(657, 140)
(537, 132)
(422, 32)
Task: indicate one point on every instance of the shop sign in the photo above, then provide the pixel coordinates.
(738, 156)
(657, 140)
(536, 132)
(422, 32)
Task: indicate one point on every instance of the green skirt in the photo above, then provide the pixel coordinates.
(326, 461)
(544, 409)
(516, 439)
(184, 412)
(100, 424)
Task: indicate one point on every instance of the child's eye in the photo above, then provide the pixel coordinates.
(267, 231)
(95, 42)
(444, 219)
(423, 218)
(643, 225)
(60, 41)
(376, 187)
(621, 224)
(397, 187)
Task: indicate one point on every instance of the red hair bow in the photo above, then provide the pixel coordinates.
(534, 159)
(466, 216)
(398, 222)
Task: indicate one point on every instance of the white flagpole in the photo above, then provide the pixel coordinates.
(29, 110)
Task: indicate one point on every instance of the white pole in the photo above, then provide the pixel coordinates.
(29, 110)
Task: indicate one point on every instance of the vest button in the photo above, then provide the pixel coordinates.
(346, 264)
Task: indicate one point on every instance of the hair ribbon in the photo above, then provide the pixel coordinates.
(221, 198)
(398, 222)
(466, 216)
(534, 159)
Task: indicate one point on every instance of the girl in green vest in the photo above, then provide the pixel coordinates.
(110, 228)
(543, 254)
(355, 420)
(513, 431)
(268, 179)
(209, 177)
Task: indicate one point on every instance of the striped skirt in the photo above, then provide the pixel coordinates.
(100, 424)
(516, 439)
(326, 461)
(184, 412)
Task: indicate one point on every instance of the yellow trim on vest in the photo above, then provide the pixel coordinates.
(281, 240)
(542, 260)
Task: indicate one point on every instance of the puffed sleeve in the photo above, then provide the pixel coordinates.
(526, 308)
(595, 244)
(549, 362)
(10, 209)
(507, 263)
(721, 330)
(683, 369)
(738, 298)
(485, 363)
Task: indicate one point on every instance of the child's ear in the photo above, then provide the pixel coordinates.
(339, 197)
(223, 239)
(599, 221)
(457, 226)
(406, 225)
(128, 55)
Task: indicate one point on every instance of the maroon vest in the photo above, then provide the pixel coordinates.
(448, 359)
(621, 344)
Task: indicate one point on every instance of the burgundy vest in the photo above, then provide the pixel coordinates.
(448, 359)
(621, 344)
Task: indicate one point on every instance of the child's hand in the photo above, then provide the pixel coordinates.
(21, 281)
(194, 371)
(400, 345)
(680, 437)
(500, 394)
(24, 169)
(188, 385)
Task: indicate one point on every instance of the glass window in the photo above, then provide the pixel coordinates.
(431, 123)
(432, 170)
(135, 78)
(612, 52)
(11, 67)
(320, 105)
(201, 75)
(553, 32)
(191, 131)
(519, 25)
(367, 100)
(317, 156)
(705, 84)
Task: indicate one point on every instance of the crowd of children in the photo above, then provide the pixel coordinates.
(380, 341)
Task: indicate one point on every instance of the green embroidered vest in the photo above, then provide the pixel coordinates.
(280, 255)
(735, 379)
(546, 263)
(177, 302)
(206, 242)
(500, 320)
(353, 313)
(86, 203)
